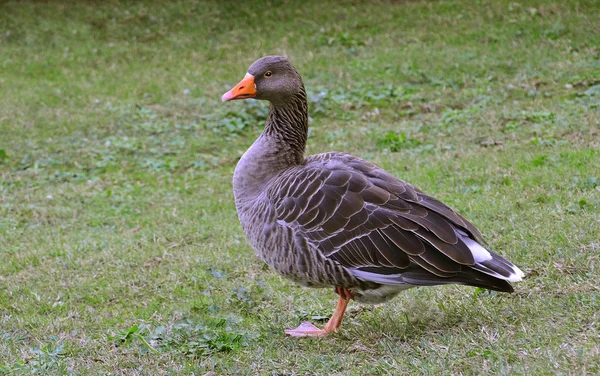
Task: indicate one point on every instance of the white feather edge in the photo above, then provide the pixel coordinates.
(480, 254)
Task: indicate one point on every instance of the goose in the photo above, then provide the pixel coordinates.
(336, 220)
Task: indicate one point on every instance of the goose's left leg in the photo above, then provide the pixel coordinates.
(307, 329)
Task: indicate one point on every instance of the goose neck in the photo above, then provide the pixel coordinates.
(287, 124)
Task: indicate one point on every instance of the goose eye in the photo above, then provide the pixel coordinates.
(268, 74)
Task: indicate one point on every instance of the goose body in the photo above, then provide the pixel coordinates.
(336, 220)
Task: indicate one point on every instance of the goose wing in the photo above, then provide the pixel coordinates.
(382, 229)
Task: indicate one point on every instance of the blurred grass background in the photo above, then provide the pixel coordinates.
(121, 250)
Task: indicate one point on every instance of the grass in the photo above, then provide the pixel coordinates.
(121, 250)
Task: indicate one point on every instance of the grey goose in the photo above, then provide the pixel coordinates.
(336, 220)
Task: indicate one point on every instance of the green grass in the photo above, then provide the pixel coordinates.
(120, 248)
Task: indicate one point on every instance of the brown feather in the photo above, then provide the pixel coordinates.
(404, 240)
(458, 252)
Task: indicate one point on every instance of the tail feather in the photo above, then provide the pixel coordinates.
(417, 276)
(489, 262)
(469, 277)
(489, 270)
(501, 268)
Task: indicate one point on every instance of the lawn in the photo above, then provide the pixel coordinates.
(120, 248)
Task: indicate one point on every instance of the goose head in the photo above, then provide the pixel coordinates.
(271, 78)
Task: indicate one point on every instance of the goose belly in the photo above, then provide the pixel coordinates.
(378, 294)
(291, 255)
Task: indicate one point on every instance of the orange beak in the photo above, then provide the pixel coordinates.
(245, 89)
